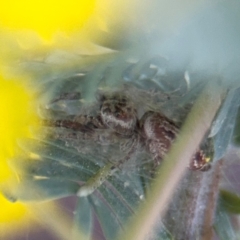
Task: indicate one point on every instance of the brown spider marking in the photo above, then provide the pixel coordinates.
(117, 113)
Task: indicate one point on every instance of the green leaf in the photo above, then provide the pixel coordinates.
(58, 155)
(224, 123)
(106, 217)
(128, 188)
(83, 221)
(236, 136)
(230, 202)
(31, 189)
(48, 168)
(223, 225)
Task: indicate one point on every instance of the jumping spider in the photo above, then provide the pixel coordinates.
(118, 116)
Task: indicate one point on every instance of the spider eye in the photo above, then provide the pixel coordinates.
(119, 114)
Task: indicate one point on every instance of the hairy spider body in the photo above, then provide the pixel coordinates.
(160, 133)
(118, 117)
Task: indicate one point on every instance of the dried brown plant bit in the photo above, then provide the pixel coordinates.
(200, 161)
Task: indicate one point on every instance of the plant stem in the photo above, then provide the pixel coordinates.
(192, 209)
(211, 195)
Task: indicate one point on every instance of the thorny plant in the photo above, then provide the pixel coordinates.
(117, 121)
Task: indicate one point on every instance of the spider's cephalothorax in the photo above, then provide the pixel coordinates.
(119, 114)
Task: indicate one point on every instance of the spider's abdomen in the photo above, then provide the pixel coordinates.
(158, 127)
(160, 133)
(119, 114)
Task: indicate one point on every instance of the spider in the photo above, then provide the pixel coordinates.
(117, 119)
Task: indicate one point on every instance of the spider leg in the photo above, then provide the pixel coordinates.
(76, 123)
(83, 124)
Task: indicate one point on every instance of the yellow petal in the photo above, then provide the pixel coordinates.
(46, 17)
(17, 115)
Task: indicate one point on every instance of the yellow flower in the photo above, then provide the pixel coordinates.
(45, 17)
(17, 114)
